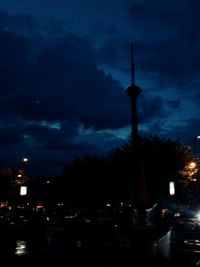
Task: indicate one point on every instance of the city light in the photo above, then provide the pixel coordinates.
(192, 165)
(25, 159)
(171, 188)
(23, 190)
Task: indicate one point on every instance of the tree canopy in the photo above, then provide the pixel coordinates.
(92, 178)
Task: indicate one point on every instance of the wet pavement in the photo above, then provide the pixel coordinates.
(106, 244)
(75, 244)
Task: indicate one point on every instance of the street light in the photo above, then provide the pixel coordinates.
(25, 159)
(192, 170)
(192, 165)
(24, 164)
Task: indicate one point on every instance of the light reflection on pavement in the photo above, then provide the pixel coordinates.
(21, 248)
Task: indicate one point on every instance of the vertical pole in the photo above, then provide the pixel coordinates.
(132, 66)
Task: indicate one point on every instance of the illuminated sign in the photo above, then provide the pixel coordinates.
(23, 190)
(171, 188)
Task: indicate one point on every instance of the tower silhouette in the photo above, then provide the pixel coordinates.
(138, 189)
(133, 92)
(149, 238)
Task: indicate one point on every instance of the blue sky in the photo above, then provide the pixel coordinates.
(65, 66)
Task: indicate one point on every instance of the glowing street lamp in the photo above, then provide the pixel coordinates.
(24, 164)
(25, 159)
(192, 165)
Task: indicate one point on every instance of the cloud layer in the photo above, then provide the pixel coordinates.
(62, 82)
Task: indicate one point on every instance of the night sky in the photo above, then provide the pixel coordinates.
(65, 65)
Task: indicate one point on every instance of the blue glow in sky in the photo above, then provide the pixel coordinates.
(65, 66)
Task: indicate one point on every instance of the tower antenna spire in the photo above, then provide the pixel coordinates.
(132, 65)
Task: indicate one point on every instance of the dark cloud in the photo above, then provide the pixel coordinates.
(101, 28)
(64, 83)
(14, 62)
(17, 22)
(151, 109)
(168, 39)
(10, 137)
(174, 104)
(62, 91)
(57, 82)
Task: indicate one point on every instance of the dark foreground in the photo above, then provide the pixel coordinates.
(106, 242)
(88, 244)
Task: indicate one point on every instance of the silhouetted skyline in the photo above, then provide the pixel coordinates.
(65, 66)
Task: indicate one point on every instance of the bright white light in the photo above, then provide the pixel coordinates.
(23, 190)
(171, 188)
(25, 159)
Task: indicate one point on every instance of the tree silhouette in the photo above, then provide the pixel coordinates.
(96, 179)
(6, 175)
